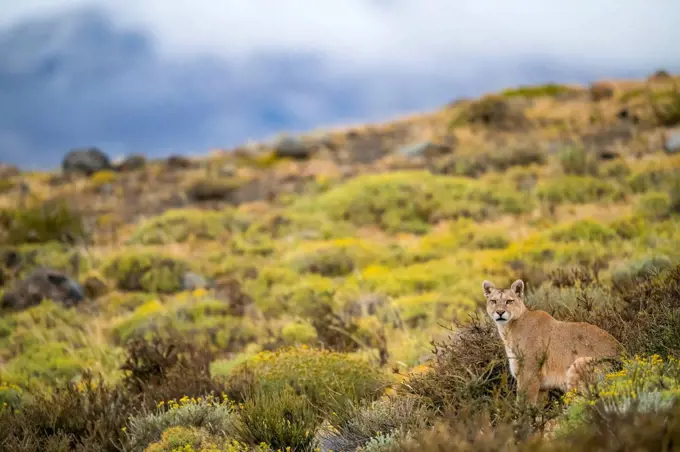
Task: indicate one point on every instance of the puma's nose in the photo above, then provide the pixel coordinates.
(500, 313)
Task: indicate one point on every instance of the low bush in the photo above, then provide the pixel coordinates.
(654, 206)
(146, 272)
(178, 225)
(578, 190)
(216, 417)
(280, 418)
(370, 422)
(53, 220)
(409, 201)
(579, 162)
(328, 379)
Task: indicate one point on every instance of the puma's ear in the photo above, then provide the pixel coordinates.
(487, 287)
(518, 287)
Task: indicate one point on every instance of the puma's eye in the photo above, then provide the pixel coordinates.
(494, 301)
(509, 301)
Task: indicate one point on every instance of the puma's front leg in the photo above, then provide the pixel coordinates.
(529, 386)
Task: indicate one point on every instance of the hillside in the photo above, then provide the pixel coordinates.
(302, 281)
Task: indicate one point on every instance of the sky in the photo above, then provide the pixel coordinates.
(162, 77)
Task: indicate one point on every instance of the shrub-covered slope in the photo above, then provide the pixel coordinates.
(285, 294)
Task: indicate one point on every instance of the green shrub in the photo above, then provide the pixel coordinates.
(547, 90)
(215, 417)
(206, 320)
(643, 385)
(632, 272)
(666, 106)
(279, 418)
(47, 345)
(299, 333)
(371, 423)
(578, 190)
(628, 227)
(177, 225)
(40, 223)
(10, 397)
(616, 169)
(146, 271)
(583, 230)
(333, 258)
(654, 205)
(88, 415)
(327, 379)
(674, 195)
(490, 239)
(409, 201)
(578, 161)
(656, 176)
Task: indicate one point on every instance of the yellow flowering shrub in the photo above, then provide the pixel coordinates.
(644, 384)
(10, 396)
(327, 378)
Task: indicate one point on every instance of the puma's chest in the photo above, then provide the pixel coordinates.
(513, 361)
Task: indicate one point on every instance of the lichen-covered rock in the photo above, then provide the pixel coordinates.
(290, 147)
(672, 142)
(132, 163)
(424, 149)
(41, 284)
(177, 162)
(86, 161)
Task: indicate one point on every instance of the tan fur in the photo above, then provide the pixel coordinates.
(545, 353)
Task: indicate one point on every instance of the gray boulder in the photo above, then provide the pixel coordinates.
(292, 148)
(41, 284)
(424, 149)
(86, 161)
(193, 281)
(132, 163)
(672, 143)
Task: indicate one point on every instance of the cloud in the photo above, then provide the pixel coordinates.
(149, 77)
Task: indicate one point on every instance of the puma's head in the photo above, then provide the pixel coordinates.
(504, 305)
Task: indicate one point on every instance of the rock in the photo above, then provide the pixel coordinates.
(132, 163)
(193, 281)
(177, 162)
(41, 284)
(672, 142)
(228, 170)
(86, 161)
(601, 91)
(95, 287)
(213, 190)
(661, 74)
(607, 154)
(7, 171)
(424, 149)
(292, 148)
(497, 112)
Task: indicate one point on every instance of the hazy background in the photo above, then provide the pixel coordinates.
(175, 76)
